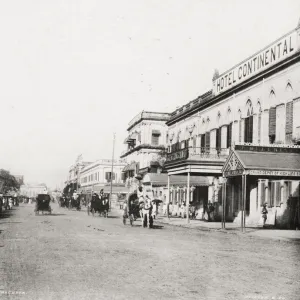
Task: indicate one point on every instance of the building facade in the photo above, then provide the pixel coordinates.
(98, 175)
(145, 143)
(251, 111)
(32, 190)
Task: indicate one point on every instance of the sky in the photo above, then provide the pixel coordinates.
(72, 72)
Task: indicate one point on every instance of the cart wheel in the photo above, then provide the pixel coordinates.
(131, 220)
(93, 212)
(105, 214)
(124, 220)
(88, 211)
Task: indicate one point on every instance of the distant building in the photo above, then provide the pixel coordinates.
(146, 139)
(32, 190)
(97, 175)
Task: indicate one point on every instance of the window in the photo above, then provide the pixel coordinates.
(289, 122)
(272, 124)
(248, 126)
(229, 135)
(202, 145)
(218, 138)
(108, 176)
(155, 139)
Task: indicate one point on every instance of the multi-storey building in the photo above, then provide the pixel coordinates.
(145, 142)
(97, 175)
(73, 180)
(241, 136)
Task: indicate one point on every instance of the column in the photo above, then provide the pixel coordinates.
(213, 141)
(242, 130)
(255, 129)
(235, 132)
(224, 137)
(264, 135)
(188, 199)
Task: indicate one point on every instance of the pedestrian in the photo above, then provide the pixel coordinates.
(264, 214)
(147, 212)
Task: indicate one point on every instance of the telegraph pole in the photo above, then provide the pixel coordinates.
(112, 169)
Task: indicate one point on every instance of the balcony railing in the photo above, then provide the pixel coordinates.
(199, 153)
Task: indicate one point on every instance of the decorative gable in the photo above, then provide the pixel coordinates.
(232, 166)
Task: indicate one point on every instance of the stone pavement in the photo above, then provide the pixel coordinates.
(270, 233)
(231, 228)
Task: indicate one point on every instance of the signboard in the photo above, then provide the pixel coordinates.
(273, 149)
(178, 155)
(273, 173)
(233, 173)
(269, 56)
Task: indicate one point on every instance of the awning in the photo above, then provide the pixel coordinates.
(98, 187)
(129, 167)
(175, 180)
(263, 161)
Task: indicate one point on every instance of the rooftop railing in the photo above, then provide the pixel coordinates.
(149, 115)
(199, 153)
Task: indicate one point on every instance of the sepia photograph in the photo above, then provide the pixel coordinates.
(151, 150)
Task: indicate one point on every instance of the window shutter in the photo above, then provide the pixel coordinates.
(207, 140)
(250, 130)
(240, 130)
(229, 135)
(155, 139)
(139, 137)
(289, 122)
(194, 142)
(123, 176)
(272, 121)
(218, 138)
(259, 128)
(202, 141)
(246, 129)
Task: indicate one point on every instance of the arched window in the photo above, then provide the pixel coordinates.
(248, 128)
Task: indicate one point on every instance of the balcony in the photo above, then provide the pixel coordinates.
(200, 154)
(141, 146)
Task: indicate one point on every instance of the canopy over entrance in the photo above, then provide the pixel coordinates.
(175, 180)
(263, 161)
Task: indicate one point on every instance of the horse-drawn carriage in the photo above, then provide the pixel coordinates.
(42, 204)
(132, 209)
(98, 204)
(74, 203)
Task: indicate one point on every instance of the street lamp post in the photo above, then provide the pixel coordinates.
(112, 169)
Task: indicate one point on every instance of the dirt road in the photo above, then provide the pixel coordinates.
(69, 255)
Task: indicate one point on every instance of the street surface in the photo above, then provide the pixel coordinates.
(70, 255)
